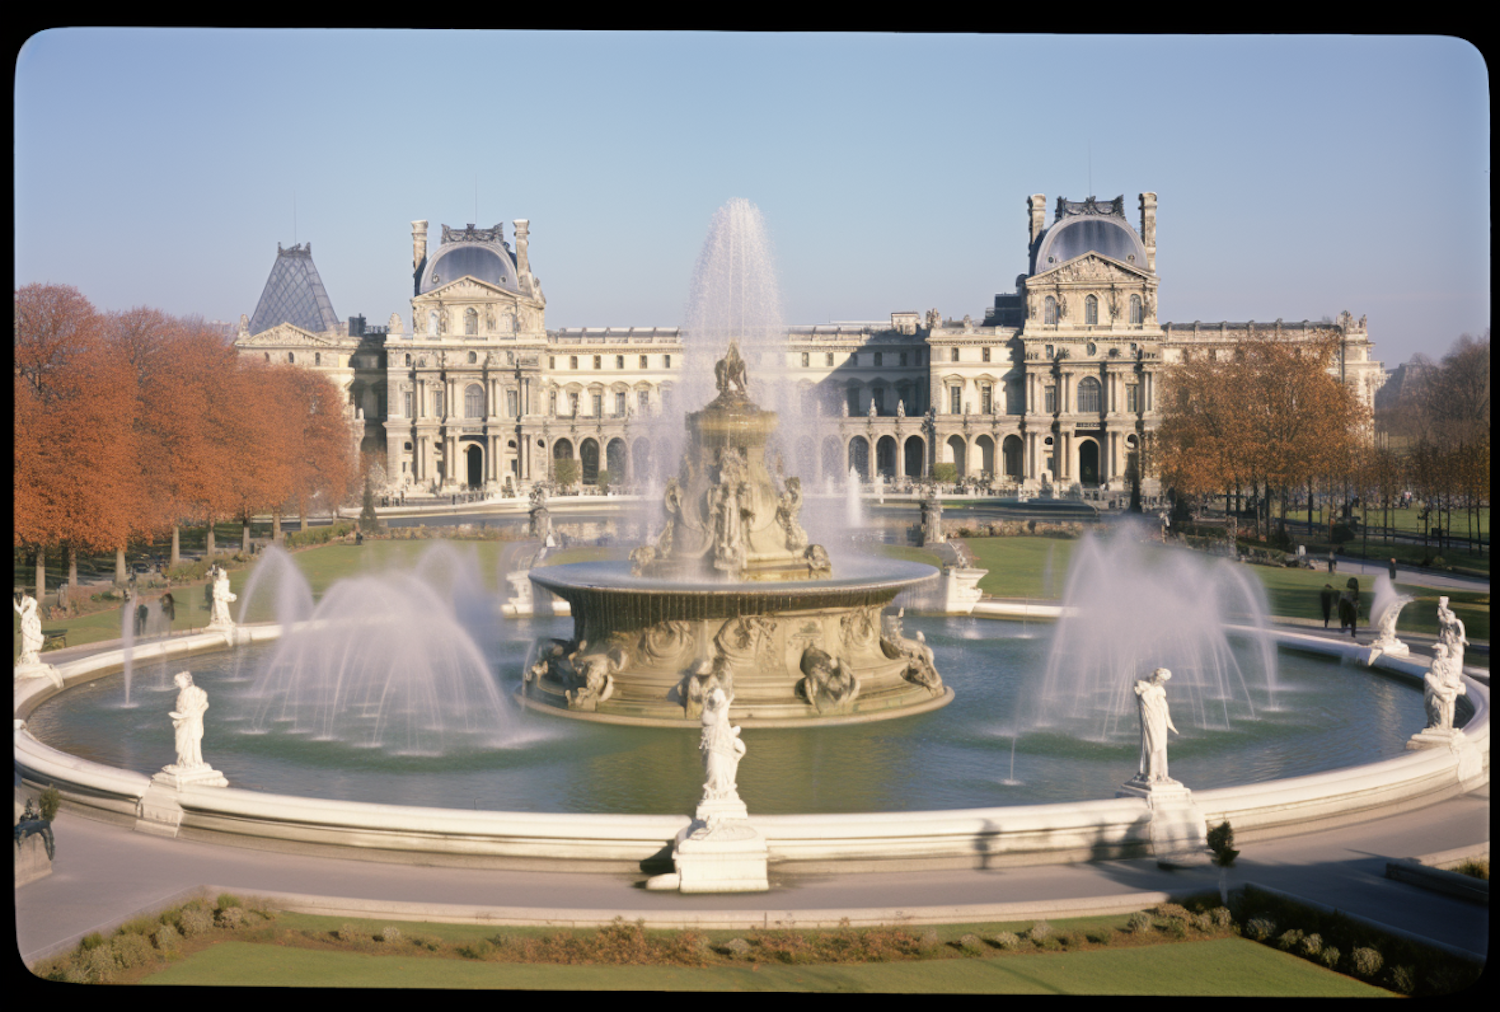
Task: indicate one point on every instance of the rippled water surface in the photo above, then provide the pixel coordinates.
(965, 755)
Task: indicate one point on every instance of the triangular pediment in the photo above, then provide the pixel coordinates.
(285, 335)
(1091, 267)
(466, 287)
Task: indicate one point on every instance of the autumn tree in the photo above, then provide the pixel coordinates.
(1270, 415)
(75, 405)
(326, 465)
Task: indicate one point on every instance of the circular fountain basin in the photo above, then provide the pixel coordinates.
(577, 796)
(658, 632)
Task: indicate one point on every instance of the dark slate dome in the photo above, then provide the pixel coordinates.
(482, 261)
(1099, 233)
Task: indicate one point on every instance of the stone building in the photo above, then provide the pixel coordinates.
(1056, 385)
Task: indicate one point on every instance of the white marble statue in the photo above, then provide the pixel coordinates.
(187, 719)
(1451, 634)
(31, 631)
(721, 748)
(1155, 722)
(219, 617)
(1442, 685)
(1385, 626)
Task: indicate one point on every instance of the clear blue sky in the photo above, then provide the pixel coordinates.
(1297, 176)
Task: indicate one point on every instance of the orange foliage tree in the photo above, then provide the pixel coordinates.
(75, 478)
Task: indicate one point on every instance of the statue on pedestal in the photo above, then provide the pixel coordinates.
(187, 719)
(1151, 700)
(721, 748)
(31, 630)
(1442, 685)
(1451, 634)
(219, 617)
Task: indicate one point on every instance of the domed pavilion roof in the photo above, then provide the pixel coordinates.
(479, 253)
(1089, 226)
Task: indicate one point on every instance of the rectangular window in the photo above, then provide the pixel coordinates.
(620, 404)
(985, 356)
(1051, 400)
(666, 361)
(1133, 397)
(953, 355)
(643, 361)
(985, 401)
(955, 400)
(619, 361)
(573, 404)
(512, 404)
(552, 406)
(1049, 351)
(903, 358)
(551, 362)
(407, 399)
(879, 359)
(805, 358)
(877, 396)
(643, 402)
(572, 361)
(598, 401)
(854, 358)
(828, 360)
(598, 361)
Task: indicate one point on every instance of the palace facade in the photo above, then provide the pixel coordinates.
(1056, 384)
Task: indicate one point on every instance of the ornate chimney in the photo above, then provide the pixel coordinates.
(1148, 229)
(523, 227)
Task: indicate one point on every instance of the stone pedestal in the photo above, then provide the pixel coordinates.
(1179, 833)
(1387, 648)
(33, 851)
(158, 813)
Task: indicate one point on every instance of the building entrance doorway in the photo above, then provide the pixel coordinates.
(1088, 462)
(475, 458)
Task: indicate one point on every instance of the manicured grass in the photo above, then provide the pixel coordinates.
(1022, 567)
(1294, 593)
(1221, 967)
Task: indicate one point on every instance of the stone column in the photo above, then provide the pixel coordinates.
(1065, 463)
(1148, 228)
(523, 232)
(1036, 212)
(418, 249)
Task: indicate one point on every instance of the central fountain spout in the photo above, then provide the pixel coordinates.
(726, 515)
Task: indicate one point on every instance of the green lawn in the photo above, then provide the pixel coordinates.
(1222, 967)
(1022, 567)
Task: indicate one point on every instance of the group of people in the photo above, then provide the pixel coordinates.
(1347, 602)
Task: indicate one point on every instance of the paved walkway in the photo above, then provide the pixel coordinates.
(103, 875)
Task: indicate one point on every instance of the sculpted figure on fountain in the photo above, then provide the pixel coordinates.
(219, 617)
(921, 666)
(1442, 686)
(593, 675)
(788, 506)
(1451, 633)
(729, 374)
(31, 630)
(187, 719)
(722, 750)
(827, 684)
(1156, 720)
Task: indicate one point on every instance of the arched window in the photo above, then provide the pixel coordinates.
(290, 357)
(1049, 310)
(408, 360)
(474, 401)
(473, 357)
(471, 321)
(317, 358)
(1136, 316)
(1089, 392)
(1091, 311)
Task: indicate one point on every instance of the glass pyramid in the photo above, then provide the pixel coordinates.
(294, 294)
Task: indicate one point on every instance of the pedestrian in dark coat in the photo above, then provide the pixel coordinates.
(1333, 564)
(1393, 570)
(1347, 613)
(1326, 597)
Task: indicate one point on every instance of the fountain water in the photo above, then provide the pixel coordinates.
(1127, 609)
(383, 662)
(277, 577)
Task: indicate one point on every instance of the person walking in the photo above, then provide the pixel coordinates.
(1333, 563)
(1393, 570)
(1326, 597)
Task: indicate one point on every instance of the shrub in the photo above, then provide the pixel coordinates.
(1222, 917)
(140, 926)
(226, 900)
(1311, 945)
(90, 942)
(1289, 940)
(195, 921)
(1260, 928)
(1474, 868)
(230, 917)
(349, 933)
(100, 964)
(1221, 842)
(971, 943)
(1403, 979)
(1365, 962)
(1071, 939)
(482, 948)
(1039, 931)
(166, 938)
(1176, 928)
(1139, 923)
(1203, 922)
(1008, 940)
(48, 802)
(390, 933)
(188, 571)
(928, 941)
(1329, 957)
(1173, 910)
(133, 950)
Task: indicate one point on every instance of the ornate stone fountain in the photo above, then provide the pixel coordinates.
(732, 596)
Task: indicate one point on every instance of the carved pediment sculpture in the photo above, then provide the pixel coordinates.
(289, 335)
(1091, 267)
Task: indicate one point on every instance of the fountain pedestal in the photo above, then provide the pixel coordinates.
(1179, 832)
